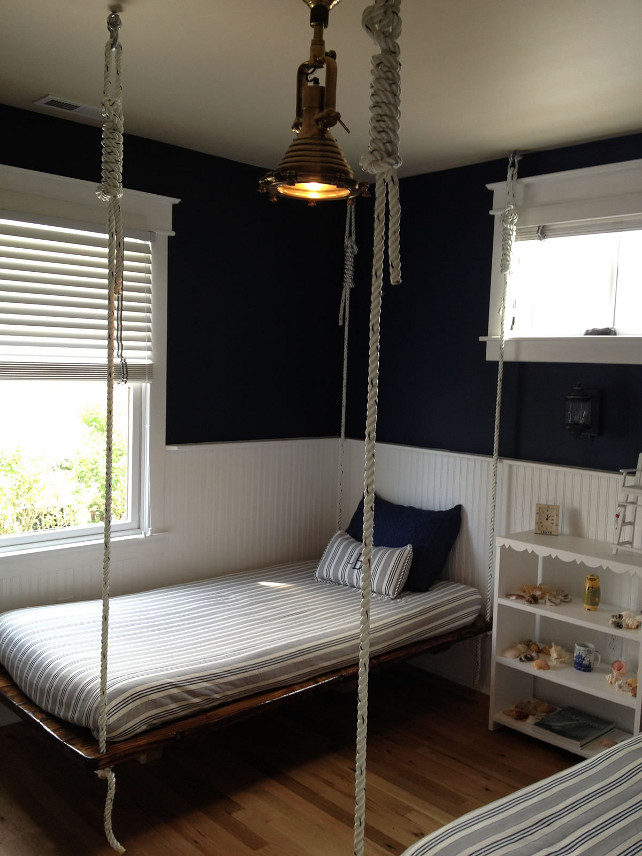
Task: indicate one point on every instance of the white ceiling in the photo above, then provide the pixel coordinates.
(480, 78)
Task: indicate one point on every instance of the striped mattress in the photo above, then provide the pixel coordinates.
(180, 650)
(592, 809)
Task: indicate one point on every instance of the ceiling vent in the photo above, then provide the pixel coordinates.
(70, 108)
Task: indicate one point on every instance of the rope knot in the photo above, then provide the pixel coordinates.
(382, 21)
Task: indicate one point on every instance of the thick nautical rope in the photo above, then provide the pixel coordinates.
(350, 251)
(383, 22)
(110, 191)
(509, 223)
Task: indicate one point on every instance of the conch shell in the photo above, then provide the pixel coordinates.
(558, 654)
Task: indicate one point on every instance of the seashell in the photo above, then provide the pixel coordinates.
(516, 713)
(532, 598)
(545, 650)
(630, 622)
(514, 652)
(516, 595)
(528, 657)
(614, 681)
(543, 707)
(632, 683)
(619, 668)
(541, 664)
(558, 654)
(552, 599)
(564, 596)
(533, 647)
(617, 620)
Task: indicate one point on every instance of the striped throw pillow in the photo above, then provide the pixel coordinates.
(342, 560)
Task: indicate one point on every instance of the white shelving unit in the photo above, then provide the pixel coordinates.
(563, 561)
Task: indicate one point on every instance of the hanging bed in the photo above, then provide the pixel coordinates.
(189, 657)
(593, 808)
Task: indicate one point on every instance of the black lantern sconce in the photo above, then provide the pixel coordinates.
(581, 411)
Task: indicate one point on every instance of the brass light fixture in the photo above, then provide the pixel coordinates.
(314, 168)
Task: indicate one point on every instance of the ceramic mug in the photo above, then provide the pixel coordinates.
(586, 657)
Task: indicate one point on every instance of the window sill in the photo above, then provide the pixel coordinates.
(623, 350)
(85, 543)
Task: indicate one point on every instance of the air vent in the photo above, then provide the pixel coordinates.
(71, 108)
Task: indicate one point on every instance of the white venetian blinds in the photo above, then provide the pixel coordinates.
(53, 303)
(572, 228)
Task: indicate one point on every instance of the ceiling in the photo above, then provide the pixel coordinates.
(480, 78)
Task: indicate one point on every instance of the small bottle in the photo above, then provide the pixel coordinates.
(591, 592)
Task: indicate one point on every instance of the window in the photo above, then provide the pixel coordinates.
(574, 292)
(53, 363)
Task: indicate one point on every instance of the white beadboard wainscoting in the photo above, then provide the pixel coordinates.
(241, 505)
(439, 480)
(232, 506)
(225, 507)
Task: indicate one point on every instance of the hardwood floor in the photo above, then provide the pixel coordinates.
(280, 784)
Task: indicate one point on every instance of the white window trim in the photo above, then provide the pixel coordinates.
(603, 191)
(74, 203)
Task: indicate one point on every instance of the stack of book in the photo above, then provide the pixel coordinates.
(571, 728)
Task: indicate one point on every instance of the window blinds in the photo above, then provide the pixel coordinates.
(570, 228)
(53, 304)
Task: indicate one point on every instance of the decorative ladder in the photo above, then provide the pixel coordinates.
(627, 508)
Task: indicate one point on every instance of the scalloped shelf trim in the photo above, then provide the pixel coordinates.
(569, 548)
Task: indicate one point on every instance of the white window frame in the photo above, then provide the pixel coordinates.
(73, 203)
(611, 190)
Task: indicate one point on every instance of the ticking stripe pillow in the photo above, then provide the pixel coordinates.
(342, 561)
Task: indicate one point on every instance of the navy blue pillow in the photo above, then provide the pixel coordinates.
(431, 533)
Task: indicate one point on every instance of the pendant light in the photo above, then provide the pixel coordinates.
(314, 168)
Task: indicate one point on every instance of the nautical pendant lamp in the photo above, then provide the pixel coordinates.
(314, 168)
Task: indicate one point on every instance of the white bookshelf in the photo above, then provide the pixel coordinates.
(563, 561)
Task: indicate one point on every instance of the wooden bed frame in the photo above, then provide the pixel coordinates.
(83, 747)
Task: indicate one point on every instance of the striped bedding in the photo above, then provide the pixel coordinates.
(183, 649)
(592, 809)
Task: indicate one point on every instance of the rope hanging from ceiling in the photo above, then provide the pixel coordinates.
(382, 22)
(509, 224)
(350, 251)
(111, 191)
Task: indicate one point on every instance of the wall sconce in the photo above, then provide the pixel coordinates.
(581, 411)
(313, 167)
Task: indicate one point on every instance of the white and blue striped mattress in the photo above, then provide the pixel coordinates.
(183, 649)
(592, 809)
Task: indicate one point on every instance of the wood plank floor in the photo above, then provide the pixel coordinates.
(281, 784)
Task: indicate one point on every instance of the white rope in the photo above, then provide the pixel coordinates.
(350, 251)
(509, 222)
(110, 191)
(383, 23)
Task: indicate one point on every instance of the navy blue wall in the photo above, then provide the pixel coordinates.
(254, 346)
(436, 389)
(254, 292)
